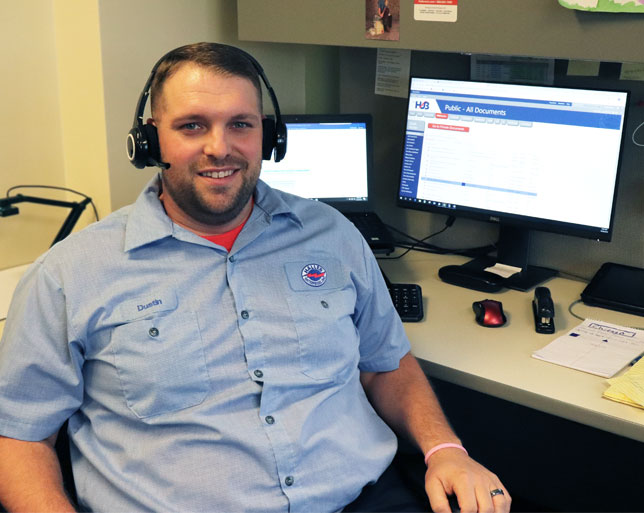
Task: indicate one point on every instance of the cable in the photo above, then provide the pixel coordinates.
(55, 188)
(584, 318)
(573, 313)
(448, 223)
(633, 136)
(420, 245)
(575, 276)
(418, 242)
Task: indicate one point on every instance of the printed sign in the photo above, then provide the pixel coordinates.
(435, 10)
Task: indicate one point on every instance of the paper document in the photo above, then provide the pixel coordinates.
(596, 347)
(392, 72)
(503, 270)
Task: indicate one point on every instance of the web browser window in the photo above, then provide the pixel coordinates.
(323, 161)
(544, 152)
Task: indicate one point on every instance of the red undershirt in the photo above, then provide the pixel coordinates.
(227, 239)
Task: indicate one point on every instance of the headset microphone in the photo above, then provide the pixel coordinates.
(142, 141)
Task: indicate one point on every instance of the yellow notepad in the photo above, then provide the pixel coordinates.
(628, 388)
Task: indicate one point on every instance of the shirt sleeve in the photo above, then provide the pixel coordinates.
(41, 383)
(383, 341)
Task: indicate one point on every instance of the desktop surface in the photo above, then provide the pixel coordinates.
(9, 278)
(498, 362)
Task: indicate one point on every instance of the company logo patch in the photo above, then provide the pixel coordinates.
(314, 275)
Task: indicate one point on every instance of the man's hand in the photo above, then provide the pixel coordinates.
(406, 401)
(452, 472)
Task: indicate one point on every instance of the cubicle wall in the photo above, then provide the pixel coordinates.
(539, 28)
(571, 254)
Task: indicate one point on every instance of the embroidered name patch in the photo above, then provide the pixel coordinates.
(314, 275)
(154, 302)
(151, 304)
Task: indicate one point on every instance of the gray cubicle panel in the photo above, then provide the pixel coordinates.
(537, 28)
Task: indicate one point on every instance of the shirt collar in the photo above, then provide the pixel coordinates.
(149, 223)
(272, 203)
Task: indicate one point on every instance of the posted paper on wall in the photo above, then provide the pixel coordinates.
(392, 72)
(436, 10)
(596, 347)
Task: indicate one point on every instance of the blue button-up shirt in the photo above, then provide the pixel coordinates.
(201, 380)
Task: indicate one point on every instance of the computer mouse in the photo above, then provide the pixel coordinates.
(489, 313)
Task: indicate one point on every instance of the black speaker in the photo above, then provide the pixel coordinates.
(142, 143)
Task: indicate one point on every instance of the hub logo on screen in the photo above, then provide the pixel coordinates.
(422, 105)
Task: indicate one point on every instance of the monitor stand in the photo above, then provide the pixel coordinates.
(528, 278)
(512, 249)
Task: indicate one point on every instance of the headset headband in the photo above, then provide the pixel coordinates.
(142, 141)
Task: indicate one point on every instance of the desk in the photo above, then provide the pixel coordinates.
(9, 278)
(497, 361)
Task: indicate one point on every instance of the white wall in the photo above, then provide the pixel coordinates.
(53, 130)
(73, 71)
(30, 132)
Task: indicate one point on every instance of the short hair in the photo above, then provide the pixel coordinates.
(219, 58)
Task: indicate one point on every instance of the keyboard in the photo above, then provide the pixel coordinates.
(408, 301)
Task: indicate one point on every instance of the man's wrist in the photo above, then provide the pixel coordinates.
(439, 447)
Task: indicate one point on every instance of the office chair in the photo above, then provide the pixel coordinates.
(64, 457)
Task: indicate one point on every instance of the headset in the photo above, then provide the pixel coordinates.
(142, 143)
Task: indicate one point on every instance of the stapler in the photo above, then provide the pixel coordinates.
(544, 311)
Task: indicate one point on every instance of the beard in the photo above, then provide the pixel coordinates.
(217, 205)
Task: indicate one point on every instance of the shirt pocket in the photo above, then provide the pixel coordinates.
(161, 363)
(327, 338)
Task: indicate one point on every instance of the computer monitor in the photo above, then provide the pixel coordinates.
(527, 157)
(328, 158)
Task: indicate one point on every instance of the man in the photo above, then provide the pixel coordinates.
(209, 347)
(385, 14)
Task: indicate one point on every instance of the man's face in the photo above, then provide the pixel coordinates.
(210, 132)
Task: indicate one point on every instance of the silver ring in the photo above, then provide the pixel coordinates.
(496, 491)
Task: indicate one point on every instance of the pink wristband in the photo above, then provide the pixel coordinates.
(442, 446)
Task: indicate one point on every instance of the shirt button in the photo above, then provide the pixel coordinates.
(270, 419)
(153, 332)
(245, 314)
(324, 304)
(258, 373)
(231, 258)
(288, 481)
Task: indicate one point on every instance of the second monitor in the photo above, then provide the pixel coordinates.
(526, 157)
(329, 159)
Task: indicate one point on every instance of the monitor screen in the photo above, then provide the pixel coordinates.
(547, 156)
(327, 158)
(532, 157)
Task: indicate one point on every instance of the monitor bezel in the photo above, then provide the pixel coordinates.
(517, 220)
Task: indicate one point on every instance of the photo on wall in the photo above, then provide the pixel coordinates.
(382, 20)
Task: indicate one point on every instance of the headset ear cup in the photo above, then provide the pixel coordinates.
(268, 138)
(153, 154)
(136, 151)
(280, 140)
